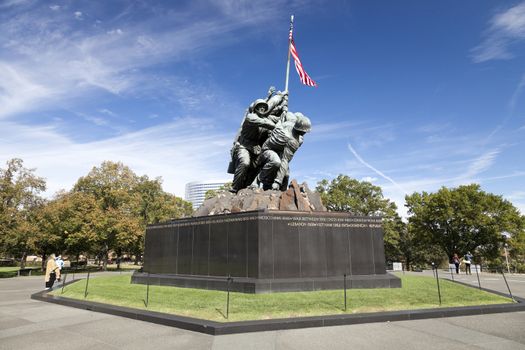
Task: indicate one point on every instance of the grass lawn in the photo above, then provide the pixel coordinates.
(12, 271)
(418, 292)
(9, 269)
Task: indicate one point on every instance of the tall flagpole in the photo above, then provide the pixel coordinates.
(289, 48)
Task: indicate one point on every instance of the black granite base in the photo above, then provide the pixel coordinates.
(267, 251)
(254, 285)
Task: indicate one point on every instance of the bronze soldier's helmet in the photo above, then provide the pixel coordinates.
(302, 123)
(260, 102)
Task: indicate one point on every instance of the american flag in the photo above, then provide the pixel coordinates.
(305, 78)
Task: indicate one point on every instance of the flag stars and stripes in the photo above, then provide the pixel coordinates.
(303, 76)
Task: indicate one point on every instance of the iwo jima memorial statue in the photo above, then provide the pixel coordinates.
(272, 239)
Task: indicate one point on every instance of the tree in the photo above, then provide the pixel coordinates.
(363, 198)
(127, 204)
(20, 192)
(76, 218)
(463, 219)
(517, 249)
(212, 193)
(358, 197)
(113, 187)
(415, 250)
(157, 205)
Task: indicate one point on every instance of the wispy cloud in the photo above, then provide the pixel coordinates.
(47, 55)
(362, 161)
(518, 200)
(504, 29)
(432, 128)
(516, 195)
(18, 91)
(181, 151)
(481, 163)
(516, 94)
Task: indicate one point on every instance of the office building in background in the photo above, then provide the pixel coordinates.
(196, 190)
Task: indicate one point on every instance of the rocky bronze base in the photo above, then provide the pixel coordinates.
(295, 198)
(256, 286)
(267, 251)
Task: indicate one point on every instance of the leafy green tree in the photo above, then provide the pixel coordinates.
(127, 203)
(363, 198)
(76, 218)
(358, 197)
(20, 192)
(516, 249)
(157, 205)
(463, 219)
(212, 193)
(113, 187)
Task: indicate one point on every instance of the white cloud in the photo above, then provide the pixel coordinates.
(433, 128)
(362, 161)
(13, 3)
(50, 58)
(107, 112)
(17, 92)
(518, 200)
(369, 179)
(516, 94)
(505, 28)
(180, 152)
(516, 195)
(481, 164)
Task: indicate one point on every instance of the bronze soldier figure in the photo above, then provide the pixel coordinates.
(278, 150)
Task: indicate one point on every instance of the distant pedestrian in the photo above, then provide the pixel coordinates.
(467, 259)
(60, 262)
(455, 260)
(52, 272)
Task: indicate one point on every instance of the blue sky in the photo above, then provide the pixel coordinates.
(412, 96)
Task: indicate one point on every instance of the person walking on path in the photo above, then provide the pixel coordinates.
(52, 272)
(60, 262)
(467, 259)
(455, 260)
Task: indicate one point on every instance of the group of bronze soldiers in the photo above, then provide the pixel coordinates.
(266, 142)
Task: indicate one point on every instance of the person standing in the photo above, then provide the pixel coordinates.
(455, 261)
(52, 272)
(60, 262)
(467, 259)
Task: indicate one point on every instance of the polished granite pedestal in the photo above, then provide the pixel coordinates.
(267, 251)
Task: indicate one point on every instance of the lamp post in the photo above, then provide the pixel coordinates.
(506, 235)
(506, 256)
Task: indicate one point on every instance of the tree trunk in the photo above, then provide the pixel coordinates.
(23, 260)
(44, 262)
(105, 261)
(119, 254)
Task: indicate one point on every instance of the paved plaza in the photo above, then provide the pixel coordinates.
(29, 324)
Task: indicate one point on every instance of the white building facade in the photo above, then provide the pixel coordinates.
(196, 190)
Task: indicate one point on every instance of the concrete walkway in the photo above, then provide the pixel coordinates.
(28, 324)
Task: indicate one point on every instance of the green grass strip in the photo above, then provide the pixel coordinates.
(9, 269)
(418, 292)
